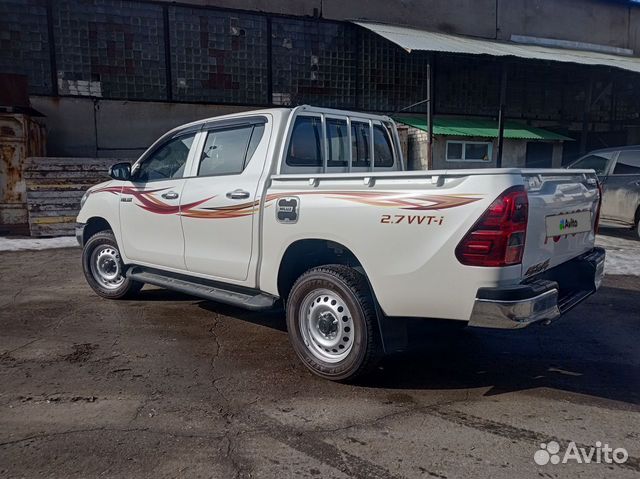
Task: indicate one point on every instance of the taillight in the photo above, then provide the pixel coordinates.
(497, 238)
(596, 225)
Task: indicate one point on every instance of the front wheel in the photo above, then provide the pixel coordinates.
(332, 324)
(104, 270)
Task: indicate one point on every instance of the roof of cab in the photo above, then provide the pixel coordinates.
(283, 111)
(615, 148)
(240, 114)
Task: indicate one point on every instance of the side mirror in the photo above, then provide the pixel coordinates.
(120, 171)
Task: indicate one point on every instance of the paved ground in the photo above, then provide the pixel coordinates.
(172, 386)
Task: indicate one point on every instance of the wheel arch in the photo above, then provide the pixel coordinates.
(94, 225)
(304, 254)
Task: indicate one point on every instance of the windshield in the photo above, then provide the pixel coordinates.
(593, 161)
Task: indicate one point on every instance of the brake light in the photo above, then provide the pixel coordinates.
(497, 238)
(596, 225)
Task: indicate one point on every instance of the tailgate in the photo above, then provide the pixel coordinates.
(562, 213)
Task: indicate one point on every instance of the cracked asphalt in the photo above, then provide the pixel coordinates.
(172, 386)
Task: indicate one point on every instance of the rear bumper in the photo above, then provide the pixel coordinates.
(542, 298)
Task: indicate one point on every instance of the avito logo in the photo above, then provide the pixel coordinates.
(566, 224)
(601, 453)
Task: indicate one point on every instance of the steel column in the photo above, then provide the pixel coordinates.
(501, 113)
(586, 115)
(430, 111)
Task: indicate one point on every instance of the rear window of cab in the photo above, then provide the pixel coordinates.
(306, 147)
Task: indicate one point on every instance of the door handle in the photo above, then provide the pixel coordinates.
(238, 194)
(170, 195)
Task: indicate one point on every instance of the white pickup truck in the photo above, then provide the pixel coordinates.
(310, 208)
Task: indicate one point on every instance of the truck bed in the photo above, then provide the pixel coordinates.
(403, 227)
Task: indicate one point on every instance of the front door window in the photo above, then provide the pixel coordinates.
(167, 162)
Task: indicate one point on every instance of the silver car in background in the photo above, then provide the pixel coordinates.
(618, 170)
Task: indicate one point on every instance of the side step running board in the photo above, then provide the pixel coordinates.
(253, 300)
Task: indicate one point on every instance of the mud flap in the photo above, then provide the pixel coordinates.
(393, 332)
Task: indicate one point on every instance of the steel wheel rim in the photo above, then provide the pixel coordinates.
(106, 267)
(326, 325)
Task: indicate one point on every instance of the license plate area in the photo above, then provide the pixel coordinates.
(570, 223)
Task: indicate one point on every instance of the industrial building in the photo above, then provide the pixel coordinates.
(110, 76)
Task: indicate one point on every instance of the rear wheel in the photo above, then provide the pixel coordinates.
(332, 323)
(103, 267)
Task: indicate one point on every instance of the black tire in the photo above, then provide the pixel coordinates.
(350, 287)
(120, 288)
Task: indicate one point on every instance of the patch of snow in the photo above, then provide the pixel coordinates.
(34, 244)
(623, 255)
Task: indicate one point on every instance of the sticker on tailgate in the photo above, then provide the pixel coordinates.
(570, 223)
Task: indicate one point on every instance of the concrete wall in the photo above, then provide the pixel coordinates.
(285, 7)
(634, 30)
(444, 16)
(556, 160)
(593, 21)
(83, 127)
(514, 154)
(417, 149)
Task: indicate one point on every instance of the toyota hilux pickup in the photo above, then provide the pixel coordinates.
(310, 209)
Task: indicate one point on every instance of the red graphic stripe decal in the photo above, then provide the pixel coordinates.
(405, 201)
(147, 200)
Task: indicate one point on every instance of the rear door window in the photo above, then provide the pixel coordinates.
(383, 149)
(338, 142)
(305, 146)
(628, 163)
(360, 144)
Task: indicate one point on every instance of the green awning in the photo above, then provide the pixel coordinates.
(481, 128)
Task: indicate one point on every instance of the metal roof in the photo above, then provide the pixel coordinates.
(481, 128)
(413, 39)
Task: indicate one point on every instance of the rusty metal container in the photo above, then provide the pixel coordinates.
(21, 136)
